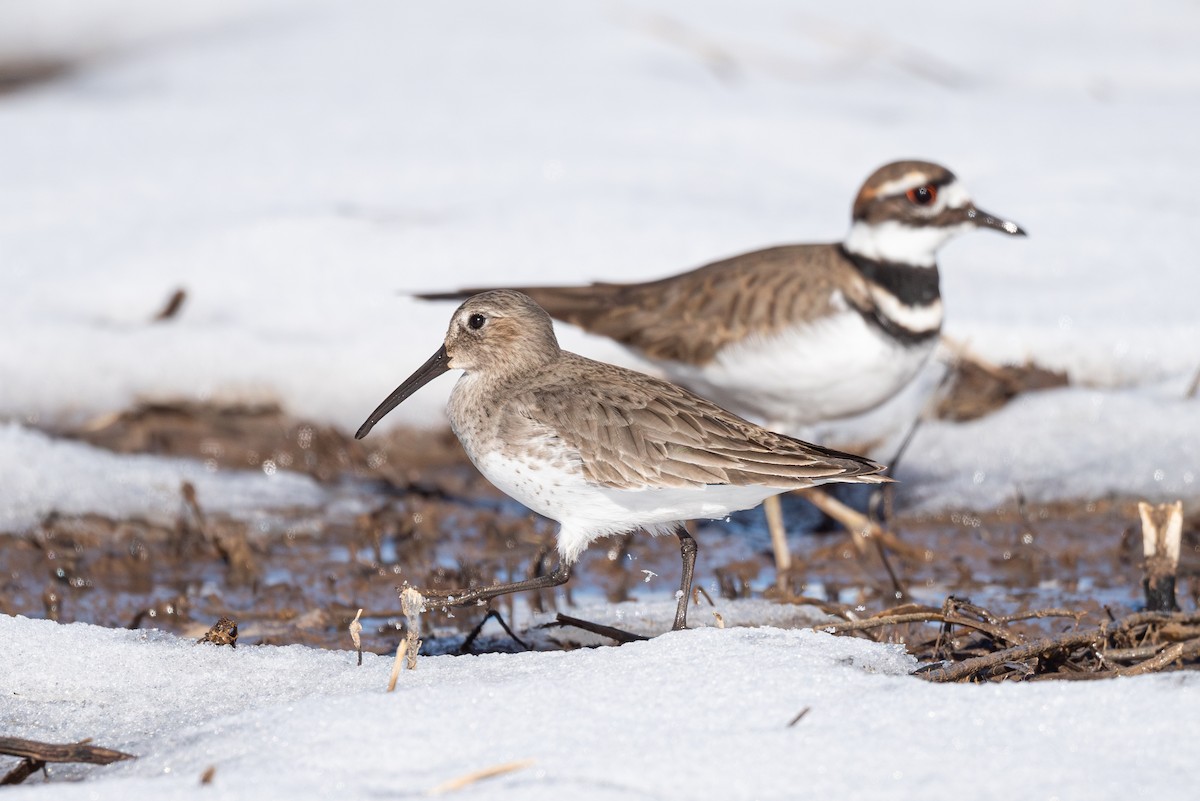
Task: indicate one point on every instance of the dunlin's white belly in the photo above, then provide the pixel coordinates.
(586, 512)
(837, 367)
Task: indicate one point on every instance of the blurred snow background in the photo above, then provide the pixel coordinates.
(295, 166)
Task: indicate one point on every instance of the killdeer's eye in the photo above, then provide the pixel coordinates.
(922, 195)
(476, 321)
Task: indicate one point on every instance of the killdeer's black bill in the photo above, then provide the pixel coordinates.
(982, 219)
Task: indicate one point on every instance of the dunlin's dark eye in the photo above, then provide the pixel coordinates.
(922, 195)
(476, 321)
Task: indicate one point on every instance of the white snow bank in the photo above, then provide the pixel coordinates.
(39, 475)
(697, 714)
(1055, 444)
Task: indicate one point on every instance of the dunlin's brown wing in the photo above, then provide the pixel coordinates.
(633, 431)
(689, 317)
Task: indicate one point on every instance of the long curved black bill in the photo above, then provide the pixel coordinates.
(984, 220)
(438, 363)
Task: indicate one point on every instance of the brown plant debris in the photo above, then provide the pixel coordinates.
(173, 305)
(479, 775)
(397, 665)
(974, 645)
(977, 388)
(356, 635)
(619, 635)
(34, 756)
(1162, 535)
(413, 604)
(223, 632)
(799, 716)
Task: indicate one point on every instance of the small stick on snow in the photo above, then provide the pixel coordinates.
(480, 775)
(397, 664)
(355, 635)
(68, 752)
(598, 628)
(799, 717)
(173, 305)
(697, 591)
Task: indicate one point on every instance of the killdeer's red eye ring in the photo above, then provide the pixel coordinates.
(922, 195)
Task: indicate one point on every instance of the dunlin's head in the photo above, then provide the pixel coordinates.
(906, 210)
(500, 333)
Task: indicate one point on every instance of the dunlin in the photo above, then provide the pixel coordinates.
(600, 449)
(798, 334)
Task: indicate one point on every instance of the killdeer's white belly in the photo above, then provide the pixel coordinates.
(839, 366)
(585, 511)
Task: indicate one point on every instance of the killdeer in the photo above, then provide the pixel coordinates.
(598, 448)
(796, 334)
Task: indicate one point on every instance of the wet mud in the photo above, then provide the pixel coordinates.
(432, 521)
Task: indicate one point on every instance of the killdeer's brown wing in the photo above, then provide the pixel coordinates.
(689, 317)
(633, 431)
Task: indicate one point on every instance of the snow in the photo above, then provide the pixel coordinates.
(40, 475)
(296, 167)
(685, 715)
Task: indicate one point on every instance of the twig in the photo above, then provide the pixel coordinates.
(800, 716)
(995, 632)
(397, 664)
(879, 622)
(68, 752)
(1180, 650)
(24, 769)
(598, 628)
(968, 668)
(697, 591)
(174, 304)
(480, 775)
(1041, 613)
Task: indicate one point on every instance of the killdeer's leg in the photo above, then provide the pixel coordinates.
(783, 557)
(560, 575)
(687, 548)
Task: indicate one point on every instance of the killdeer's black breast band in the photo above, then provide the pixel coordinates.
(911, 285)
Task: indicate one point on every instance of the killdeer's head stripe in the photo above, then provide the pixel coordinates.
(895, 180)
